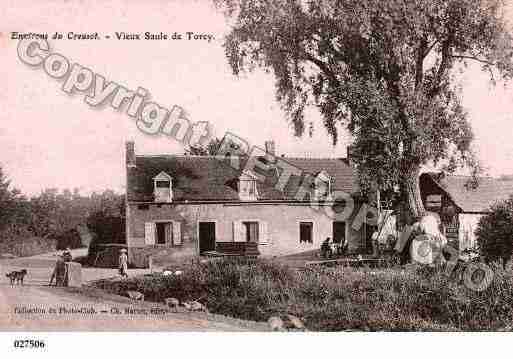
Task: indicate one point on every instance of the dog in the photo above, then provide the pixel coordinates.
(17, 276)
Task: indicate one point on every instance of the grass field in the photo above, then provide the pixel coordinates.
(331, 299)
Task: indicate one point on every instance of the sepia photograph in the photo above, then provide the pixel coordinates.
(288, 166)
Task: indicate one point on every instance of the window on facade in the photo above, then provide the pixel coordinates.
(164, 233)
(322, 186)
(305, 232)
(248, 188)
(252, 232)
(163, 187)
(162, 184)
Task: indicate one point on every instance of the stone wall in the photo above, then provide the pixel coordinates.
(282, 222)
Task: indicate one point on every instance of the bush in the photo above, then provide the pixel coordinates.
(23, 243)
(69, 239)
(107, 228)
(495, 233)
(333, 299)
(108, 237)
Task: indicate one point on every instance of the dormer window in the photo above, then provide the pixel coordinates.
(163, 187)
(322, 186)
(248, 187)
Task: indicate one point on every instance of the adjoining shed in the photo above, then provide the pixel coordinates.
(461, 204)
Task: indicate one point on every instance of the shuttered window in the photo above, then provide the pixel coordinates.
(239, 233)
(163, 233)
(177, 233)
(169, 233)
(264, 233)
(251, 231)
(149, 233)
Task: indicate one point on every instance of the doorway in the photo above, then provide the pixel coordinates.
(207, 236)
(339, 231)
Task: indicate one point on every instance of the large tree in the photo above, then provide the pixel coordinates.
(385, 70)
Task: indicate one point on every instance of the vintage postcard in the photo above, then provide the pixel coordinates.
(256, 166)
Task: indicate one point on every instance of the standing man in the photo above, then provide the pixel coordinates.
(67, 255)
(59, 272)
(123, 263)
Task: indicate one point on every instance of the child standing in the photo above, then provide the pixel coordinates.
(123, 263)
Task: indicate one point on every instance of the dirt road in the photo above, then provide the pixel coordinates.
(37, 307)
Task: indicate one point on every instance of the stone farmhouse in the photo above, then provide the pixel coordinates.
(184, 205)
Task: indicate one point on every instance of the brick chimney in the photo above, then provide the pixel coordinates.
(130, 154)
(269, 151)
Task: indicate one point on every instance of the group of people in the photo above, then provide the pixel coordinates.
(60, 271)
(330, 249)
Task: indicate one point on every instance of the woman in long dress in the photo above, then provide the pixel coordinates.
(123, 263)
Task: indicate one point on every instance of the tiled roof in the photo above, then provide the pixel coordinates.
(207, 178)
(479, 199)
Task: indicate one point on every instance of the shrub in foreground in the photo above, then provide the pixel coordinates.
(495, 232)
(334, 298)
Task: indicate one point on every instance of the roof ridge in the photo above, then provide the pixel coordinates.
(431, 173)
(216, 156)
(316, 158)
(170, 155)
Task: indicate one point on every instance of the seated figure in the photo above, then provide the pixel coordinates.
(342, 246)
(326, 248)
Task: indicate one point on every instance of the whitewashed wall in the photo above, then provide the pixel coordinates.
(389, 223)
(468, 224)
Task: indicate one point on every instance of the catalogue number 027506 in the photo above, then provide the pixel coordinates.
(29, 344)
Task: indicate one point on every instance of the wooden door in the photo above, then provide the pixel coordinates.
(339, 231)
(207, 236)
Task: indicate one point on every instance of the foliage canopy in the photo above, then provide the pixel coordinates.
(384, 70)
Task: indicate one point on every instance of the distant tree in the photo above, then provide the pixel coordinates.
(44, 213)
(495, 232)
(30, 226)
(106, 220)
(68, 239)
(383, 69)
(13, 205)
(53, 213)
(106, 228)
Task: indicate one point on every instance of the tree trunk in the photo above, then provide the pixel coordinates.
(411, 189)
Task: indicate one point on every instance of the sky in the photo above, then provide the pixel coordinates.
(49, 139)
